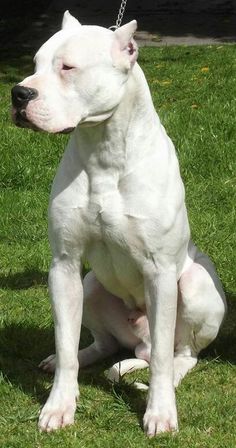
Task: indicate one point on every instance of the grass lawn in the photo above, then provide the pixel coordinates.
(194, 90)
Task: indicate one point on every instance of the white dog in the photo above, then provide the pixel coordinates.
(118, 202)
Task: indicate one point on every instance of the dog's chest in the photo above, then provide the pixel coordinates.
(105, 210)
(110, 240)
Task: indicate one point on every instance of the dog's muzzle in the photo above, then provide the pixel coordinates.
(20, 97)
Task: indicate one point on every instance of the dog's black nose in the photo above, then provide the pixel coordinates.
(22, 95)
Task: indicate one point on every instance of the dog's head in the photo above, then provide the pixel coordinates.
(79, 78)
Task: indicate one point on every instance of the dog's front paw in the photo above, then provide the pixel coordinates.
(156, 422)
(48, 364)
(57, 413)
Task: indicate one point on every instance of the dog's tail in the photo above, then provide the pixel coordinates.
(119, 369)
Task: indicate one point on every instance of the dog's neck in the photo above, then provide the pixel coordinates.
(110, 144)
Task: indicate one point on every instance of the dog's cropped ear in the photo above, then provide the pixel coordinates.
(125, 49)
(69, 22)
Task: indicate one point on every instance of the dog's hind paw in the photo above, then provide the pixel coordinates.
(48, 364)
(182, 364)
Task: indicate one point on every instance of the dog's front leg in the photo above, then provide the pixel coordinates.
(67, 300)
(161, 301)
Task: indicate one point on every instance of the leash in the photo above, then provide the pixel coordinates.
(120, 16)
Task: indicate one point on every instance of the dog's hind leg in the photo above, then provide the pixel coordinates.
(103, 346)
(201, 310)
(185, 357)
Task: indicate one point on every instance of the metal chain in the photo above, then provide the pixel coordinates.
(120, 15)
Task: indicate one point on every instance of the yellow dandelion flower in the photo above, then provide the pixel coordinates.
(205, 69)
(166, 82)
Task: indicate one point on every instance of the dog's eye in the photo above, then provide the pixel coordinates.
(66, 67)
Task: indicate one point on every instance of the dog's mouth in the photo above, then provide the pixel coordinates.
(20, 119)
(66, 131)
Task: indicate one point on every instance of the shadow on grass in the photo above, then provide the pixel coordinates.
(21, 349)
(28, 279)
(224, 347)
(24, 280)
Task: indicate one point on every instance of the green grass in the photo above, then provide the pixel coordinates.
(194, 93)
